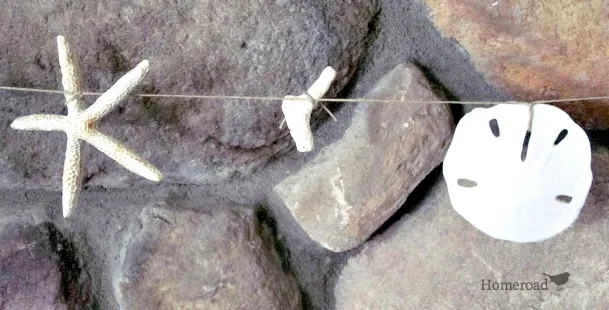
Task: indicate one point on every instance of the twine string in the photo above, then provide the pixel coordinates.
(531, 114)
(271, 98)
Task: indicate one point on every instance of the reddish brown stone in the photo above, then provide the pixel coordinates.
(536, 50)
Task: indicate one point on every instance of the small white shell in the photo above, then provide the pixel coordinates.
(509, 198)
(298, 112)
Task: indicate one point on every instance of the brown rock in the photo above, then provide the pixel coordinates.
(536, 49)
(352, 186)
(432, 258)
(236, 47)
(212, 259)
(38, 269)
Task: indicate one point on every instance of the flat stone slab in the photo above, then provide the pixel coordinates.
(434, 259)
(354, 185)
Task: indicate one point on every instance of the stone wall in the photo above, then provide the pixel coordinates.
(244, 221)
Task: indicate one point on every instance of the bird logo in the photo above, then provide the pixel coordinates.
(559, 279)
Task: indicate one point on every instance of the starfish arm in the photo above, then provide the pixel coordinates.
(71, 181)
(46, 122)
(127, 158)
(113, 96)
(70, 75)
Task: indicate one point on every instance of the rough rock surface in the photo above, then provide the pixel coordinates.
(38, 269)
(434, 259)
(209, 259)
(254, 47)
(536, 49)
(352, 186)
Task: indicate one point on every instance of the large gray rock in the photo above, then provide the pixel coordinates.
(211, 259)
(434, 259)
(354, 185)
(38, 269)
(236, 47)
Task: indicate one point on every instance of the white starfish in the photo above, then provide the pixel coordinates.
(80, 124)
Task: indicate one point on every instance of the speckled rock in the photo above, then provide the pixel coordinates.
(210, 259)
(253, 47)
(536, 49)
(433, 259)
(352, 186)
(38, 269)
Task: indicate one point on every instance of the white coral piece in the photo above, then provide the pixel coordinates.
(298, 112)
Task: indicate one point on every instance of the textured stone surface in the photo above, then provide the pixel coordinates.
(536, 49)
(433, 259)
(211, 259)
(352, 186)
(254, 47)
(38, 269)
